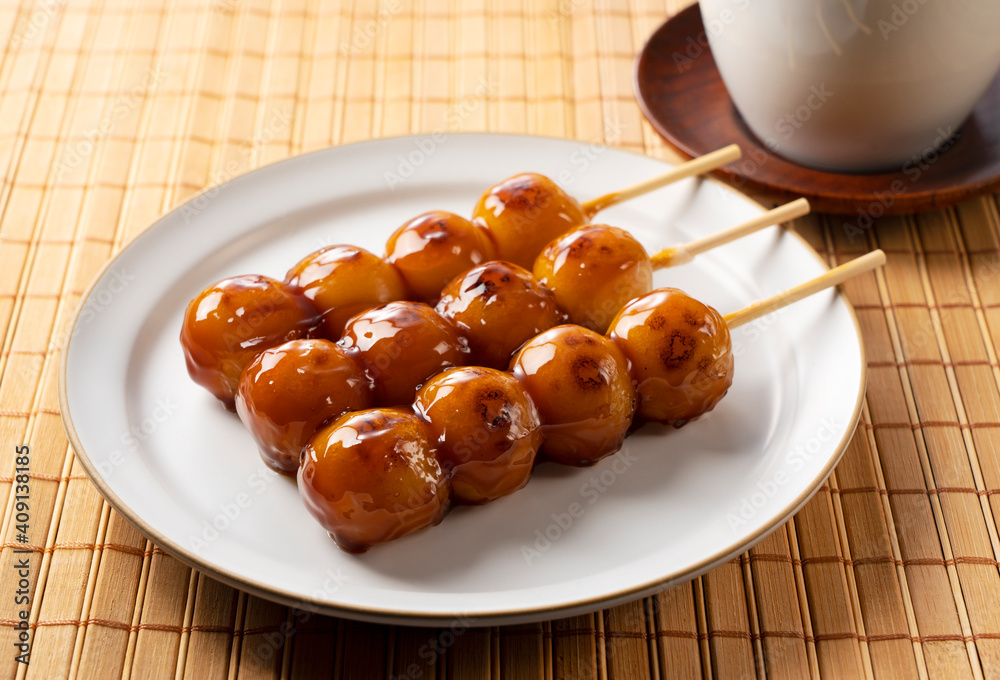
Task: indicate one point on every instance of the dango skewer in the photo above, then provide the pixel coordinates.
(363, 492)
(595, 269)
(527, 211)
(232, 321)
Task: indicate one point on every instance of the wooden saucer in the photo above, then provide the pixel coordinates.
(681, 93)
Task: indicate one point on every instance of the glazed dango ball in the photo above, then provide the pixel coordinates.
(401, 345)
(498, 306)
(679, 352)
(580, 383)
(486, 429)
(234, 320)
(342, 281)
(593, 271)
(289, 391)
(525, 212)
(371, 477)
(432, 249)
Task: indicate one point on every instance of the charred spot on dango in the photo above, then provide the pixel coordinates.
(487, 431)
(373, 476)
(498, 306)
(580, 384)
(401, 345)
(679, 352)
(341, 281)
(229, 323)
(289, 391)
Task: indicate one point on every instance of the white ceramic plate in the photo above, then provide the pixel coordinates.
(669, 506)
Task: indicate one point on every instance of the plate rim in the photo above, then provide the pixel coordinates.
(423, 618)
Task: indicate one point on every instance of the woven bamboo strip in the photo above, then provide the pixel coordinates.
(470, 656)
(983, 609)
(213, 621)
(625, 641)
(800, 588)
(26, 61)
(875, 587)
(863, 472)
(262, 641)
(676, 633)
(47, 495)
(830, 607)
(753, 620)
(913, 471)
(922, 601)
(776, 600)
(978, 225)
(366, 651)
(574, 648)
(728, 631)
(93, 204)
(73, 561)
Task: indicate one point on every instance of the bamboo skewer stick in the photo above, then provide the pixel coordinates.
(695, 166)
(835, 276)
(684, 253)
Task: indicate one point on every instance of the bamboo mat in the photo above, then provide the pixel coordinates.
(112, 112)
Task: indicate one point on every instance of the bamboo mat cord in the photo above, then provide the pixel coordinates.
(112, 112)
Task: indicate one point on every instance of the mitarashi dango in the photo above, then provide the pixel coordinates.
(342, 281)
(679, 352)
(289, 391)
(525, 212)
(487, 431)
(498, 306)
(401, 345)
(594, 270)
(229, 323)
(372, 476)
(435, 247)
(579, 381)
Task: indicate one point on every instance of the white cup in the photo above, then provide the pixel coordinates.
(854, 85)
